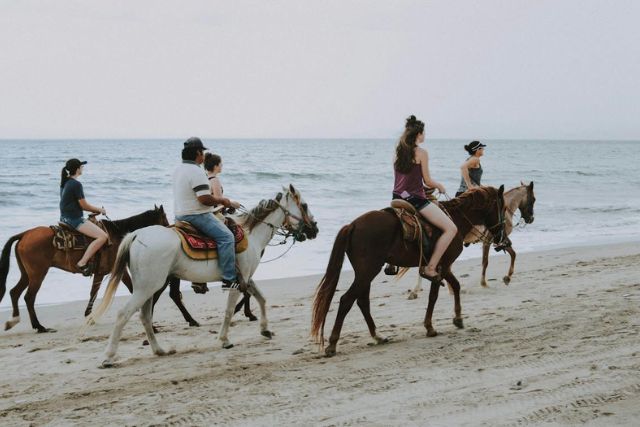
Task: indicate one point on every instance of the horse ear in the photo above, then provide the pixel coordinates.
(293, 190)
(501, 190)
(155, 207)
(522, 182)
(531, 185)
(161, 208)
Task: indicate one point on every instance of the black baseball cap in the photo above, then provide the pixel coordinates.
(194, 142)
(74, 164)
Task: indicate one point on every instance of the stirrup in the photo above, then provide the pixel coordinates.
(199, 288)
(86, 270)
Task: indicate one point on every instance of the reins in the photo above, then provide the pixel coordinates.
(484, 236)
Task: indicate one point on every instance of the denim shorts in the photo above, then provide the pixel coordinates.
(73, 222)
(417, 202)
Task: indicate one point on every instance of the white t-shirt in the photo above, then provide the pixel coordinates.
(189, 182)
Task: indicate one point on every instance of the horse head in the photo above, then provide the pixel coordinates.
(299, 221)
(526, 205)
(160, 215)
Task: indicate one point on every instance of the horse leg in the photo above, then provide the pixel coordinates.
(346, 302)
(414, 293)
(454, 286)
(176, 297)
(95, 287)
(433, 297)
(124, 314)
(507, 279)
(364, 305)
(15, 293)
(262, 302)
(485, 263)
(35, 281)
(245, 303)
(232, 299)
(146, 316)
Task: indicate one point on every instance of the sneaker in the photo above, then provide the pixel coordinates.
(230, 284)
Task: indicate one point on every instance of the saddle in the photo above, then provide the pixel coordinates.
(197, 246)
(412, 222)
(66, 238)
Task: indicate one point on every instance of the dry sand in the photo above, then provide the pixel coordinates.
(560, 345)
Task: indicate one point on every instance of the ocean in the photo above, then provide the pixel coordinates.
(586, 191)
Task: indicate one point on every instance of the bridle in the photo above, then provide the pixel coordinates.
(287, 229)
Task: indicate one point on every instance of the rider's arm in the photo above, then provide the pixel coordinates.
(209, 200)
(89, 207)
(464, 170)
(423, 159)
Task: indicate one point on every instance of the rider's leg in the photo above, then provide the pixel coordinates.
(90, 229)
(437, 217)
(224, 238)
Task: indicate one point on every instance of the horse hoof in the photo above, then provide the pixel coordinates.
(107, 364)
(412, 295)
(458, 323)
(267, 334)
(506, 280)
(381, 340)
(145, 342)
(161, 352)
(43, 330)
(227, 346)
(252, 318)
(330, 352)
(484, 284)
(194, 323)
(432, 333)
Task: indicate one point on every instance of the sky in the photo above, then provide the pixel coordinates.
(324, 69)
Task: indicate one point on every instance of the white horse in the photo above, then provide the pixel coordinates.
(154, 253)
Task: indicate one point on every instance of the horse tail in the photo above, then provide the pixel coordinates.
(119, 266)
(4, 262)
(328, 284)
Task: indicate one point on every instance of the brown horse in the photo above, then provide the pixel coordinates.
(518, 198)
(35, 254)
(376, 237)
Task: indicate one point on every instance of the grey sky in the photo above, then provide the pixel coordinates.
(482, 69)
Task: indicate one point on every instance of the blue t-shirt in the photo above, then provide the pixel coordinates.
(69, 196)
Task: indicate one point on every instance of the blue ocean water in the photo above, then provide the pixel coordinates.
(586, 190)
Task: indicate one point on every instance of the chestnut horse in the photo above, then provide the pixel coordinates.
(35, 254)
(376, 237)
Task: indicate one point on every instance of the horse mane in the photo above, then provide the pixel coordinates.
(121, 227)
(474, 198)
(257, 215)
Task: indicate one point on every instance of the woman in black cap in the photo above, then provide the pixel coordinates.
(72, 204)
(471, 169)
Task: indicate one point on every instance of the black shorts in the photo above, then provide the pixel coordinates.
(417, 202)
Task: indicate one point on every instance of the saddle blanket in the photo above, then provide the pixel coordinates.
(67, 239)
(199, 247)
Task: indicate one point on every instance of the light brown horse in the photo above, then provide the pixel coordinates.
(519, 198)
(35, 254)
(376, 237)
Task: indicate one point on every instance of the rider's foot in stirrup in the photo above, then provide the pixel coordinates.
(230, 284)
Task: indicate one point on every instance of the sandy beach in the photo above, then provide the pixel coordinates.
(559, 345)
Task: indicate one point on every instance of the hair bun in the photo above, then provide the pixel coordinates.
(411, 121)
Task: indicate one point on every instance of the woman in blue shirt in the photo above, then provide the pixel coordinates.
(72, 205)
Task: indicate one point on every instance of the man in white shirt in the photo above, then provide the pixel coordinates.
(193, 202)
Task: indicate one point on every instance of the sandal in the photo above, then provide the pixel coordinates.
(86, 270)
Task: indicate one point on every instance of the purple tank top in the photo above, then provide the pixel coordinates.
(410, 182)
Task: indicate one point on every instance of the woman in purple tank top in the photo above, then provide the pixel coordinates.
(411, 167)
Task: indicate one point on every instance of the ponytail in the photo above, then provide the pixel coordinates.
(64, 177)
